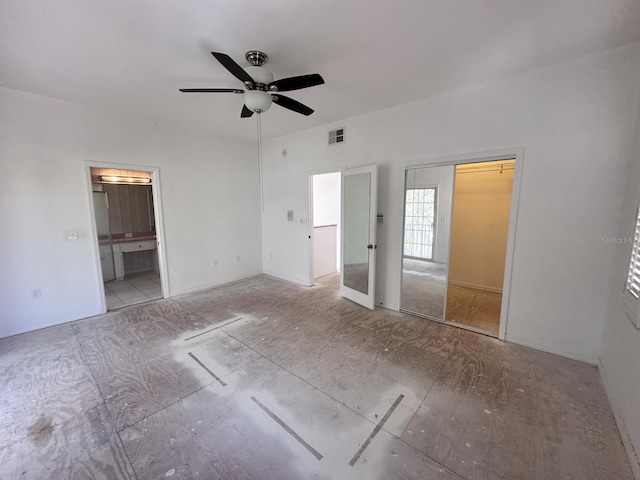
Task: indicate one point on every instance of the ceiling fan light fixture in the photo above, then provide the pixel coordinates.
(257, 101)
(259, 84)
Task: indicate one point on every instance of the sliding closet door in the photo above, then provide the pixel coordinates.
(455, 242)
(425, 250)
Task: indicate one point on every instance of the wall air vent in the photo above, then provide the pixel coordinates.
(336, 136)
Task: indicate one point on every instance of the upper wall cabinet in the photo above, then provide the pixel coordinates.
(130, 208)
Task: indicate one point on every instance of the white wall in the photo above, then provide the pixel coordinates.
(326, 199)
(210, 200)
(326, 211)
(575, 122)
(620, 355)
(479, 229)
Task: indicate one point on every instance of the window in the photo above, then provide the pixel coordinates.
(420, 210)
(631, 296)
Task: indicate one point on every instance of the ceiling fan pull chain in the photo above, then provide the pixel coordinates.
(259, 127)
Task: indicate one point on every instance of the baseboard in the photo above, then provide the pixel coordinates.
(212, 285)
(632, 454)
(592, 360)
(41, 325)
(285, 277)
(483, 288)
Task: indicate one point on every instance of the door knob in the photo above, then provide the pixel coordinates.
(369, 246)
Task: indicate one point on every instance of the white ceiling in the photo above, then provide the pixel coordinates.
(132, 56)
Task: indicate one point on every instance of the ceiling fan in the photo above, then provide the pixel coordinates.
(261, 89)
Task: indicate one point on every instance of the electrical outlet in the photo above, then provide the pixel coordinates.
(214, 263)
(237, 258)
(36, 293)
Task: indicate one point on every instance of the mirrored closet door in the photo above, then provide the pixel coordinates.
(456, 224)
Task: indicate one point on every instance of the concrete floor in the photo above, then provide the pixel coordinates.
(263, 379)
(425, 291)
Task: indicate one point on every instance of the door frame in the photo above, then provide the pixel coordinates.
(158, 216)
(516, 153)
(310, 243)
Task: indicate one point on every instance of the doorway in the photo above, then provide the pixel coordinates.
(479, 228)
(125, 221)
(466, 280)
(325, 225)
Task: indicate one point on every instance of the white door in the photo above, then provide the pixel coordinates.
(358, 240)
(101, 207)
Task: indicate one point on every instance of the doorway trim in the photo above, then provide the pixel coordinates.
(158, 216)
(311, 174)
(516, 153)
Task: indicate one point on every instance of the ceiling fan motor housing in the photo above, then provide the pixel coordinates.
(260, 75)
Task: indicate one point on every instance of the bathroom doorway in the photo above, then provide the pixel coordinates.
(127, 234)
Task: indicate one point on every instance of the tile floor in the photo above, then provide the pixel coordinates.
(135, 288)
(264, 379)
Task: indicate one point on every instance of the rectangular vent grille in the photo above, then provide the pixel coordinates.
(336, 136)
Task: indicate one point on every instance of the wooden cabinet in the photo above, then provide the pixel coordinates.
(139, 257)
(130, 208)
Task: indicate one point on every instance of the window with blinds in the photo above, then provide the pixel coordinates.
(631, 298)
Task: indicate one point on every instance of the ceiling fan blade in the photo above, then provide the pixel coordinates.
(296, 83)
(235, 69)
(291, 104)
(246, 113)
(211, 90)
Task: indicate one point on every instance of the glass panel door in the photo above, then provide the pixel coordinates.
(359, 205)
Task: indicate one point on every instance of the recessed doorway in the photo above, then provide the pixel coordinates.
(125, 212)
(478, 245)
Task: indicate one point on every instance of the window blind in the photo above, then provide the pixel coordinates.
(633, 278)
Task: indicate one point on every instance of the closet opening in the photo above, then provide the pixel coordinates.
(459, 225)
